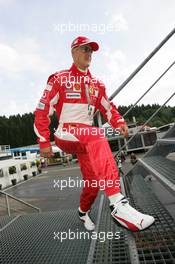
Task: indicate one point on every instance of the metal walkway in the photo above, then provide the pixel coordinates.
(155, 245)
(36, 238)
(30, 238)
(163, 166)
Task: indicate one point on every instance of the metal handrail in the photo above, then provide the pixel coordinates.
(131, 76)
(158, 79)
(5, 207)
(149, 119)
(17, 199)
(142, 64)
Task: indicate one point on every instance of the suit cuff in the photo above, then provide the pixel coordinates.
(44, 145)
(119, 123)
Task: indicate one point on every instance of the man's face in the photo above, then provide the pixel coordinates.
(82, 56)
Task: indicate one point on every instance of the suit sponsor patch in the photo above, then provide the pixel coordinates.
(73, 95)
(41, 106)
(49, 87)
(96, 93)
(77, 87)
(68, 85)
(45, 94)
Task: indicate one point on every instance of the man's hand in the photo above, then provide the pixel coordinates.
(46, 152)
(123, 130)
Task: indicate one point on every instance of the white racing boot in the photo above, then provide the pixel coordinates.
(84, 217)
(129, 217)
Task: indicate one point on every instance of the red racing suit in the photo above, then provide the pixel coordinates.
(76, 96)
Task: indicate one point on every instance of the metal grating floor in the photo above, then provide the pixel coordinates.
(4, 220)
(157, 244)
(164, 166)
(114, 250)
(153, 246)
(30, 239)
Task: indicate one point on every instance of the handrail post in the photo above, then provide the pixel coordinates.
(19, 200)
(7, 204)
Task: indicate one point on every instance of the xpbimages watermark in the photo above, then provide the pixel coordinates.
(70, 81)
(79, 235)
(85, 131)
(79, 183)
(100, 28)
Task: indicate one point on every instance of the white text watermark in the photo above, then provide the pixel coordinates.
(80, 235)
(79, 183)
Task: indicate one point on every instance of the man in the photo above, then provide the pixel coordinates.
(75, 96)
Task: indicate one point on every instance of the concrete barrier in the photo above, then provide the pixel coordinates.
(12, 171)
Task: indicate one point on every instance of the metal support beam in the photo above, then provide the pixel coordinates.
(142, 64)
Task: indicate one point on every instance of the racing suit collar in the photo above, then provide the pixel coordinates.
(76, 71)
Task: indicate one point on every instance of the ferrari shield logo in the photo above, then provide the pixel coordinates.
(77, 87)
(91, 89)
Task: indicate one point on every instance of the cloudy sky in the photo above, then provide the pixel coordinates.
(35, 38)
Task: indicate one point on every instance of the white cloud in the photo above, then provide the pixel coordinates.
(119, 22)
(116, 62)
(12, 109)
(26, 62)
(22, 68)
(119, 67)
(6, 3)
(20, 57)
